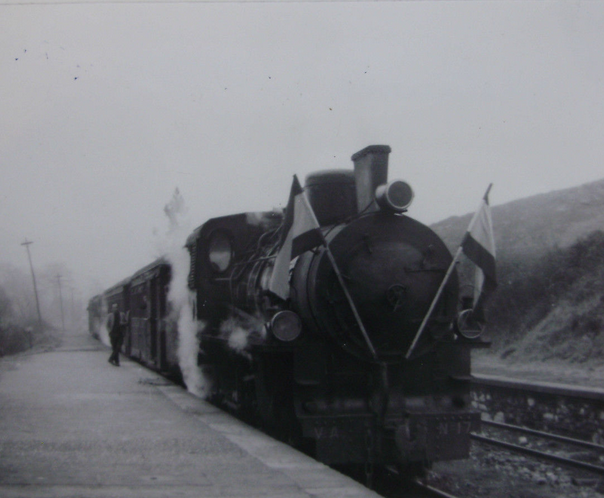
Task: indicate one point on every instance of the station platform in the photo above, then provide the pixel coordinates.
(72, 425)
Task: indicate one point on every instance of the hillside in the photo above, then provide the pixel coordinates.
(548, 307)
(533, 225)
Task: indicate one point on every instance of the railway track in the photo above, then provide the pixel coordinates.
(394, 485)
(531, 461)
(559, 447)
(427, 491)
(561, 408)
(557, 408)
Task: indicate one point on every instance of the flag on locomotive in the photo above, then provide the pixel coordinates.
(478, 245)
(301, 232)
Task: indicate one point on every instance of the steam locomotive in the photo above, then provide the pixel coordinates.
(335, 366)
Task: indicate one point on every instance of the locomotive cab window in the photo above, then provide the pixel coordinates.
(220, 252)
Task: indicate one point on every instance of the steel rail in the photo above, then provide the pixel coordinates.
(539, 454)
(432, 491)
(417, 483)
(548, 435)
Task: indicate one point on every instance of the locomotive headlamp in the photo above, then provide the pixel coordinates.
(395, 196)
(467, 326)
(286, 326)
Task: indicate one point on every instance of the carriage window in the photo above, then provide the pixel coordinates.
(220, 251)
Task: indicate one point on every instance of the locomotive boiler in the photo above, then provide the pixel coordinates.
(335, 365)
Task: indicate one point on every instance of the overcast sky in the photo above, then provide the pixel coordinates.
(106, 108)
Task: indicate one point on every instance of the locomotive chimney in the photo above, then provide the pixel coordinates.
(370, 171)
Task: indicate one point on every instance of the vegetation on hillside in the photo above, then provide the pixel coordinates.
(551, 306)
(14, 337)
(533, 226)
(550, 263)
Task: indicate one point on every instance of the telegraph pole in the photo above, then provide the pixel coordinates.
(27, 243)
(61, 301)
(71, 313)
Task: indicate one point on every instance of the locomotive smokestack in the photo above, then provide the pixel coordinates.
(370, 171)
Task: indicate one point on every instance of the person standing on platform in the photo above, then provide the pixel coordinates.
(114, 326)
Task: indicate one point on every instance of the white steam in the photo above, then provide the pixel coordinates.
(104, 332)
(239, 329)
(237, 335)
(99, 321)
(181, 299)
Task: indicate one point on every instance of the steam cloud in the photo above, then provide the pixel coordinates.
(239, 329)
(181, 299)
(103, 331)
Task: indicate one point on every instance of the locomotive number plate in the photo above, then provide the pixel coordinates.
(448, 436)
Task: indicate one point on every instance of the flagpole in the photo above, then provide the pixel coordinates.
(486, 194)
(350, 301)
(342, 283)
(434, 302)
(485, 198)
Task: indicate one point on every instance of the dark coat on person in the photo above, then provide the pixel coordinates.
(114, 324)
(116, 329)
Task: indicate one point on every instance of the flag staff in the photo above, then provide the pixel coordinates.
(433, 304)
(336, 270)
(350, 301)
(485, 198)
(302, 232)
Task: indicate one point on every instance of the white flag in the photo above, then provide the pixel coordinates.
(301, 232)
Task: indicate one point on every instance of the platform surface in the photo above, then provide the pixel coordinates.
(72, 425)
